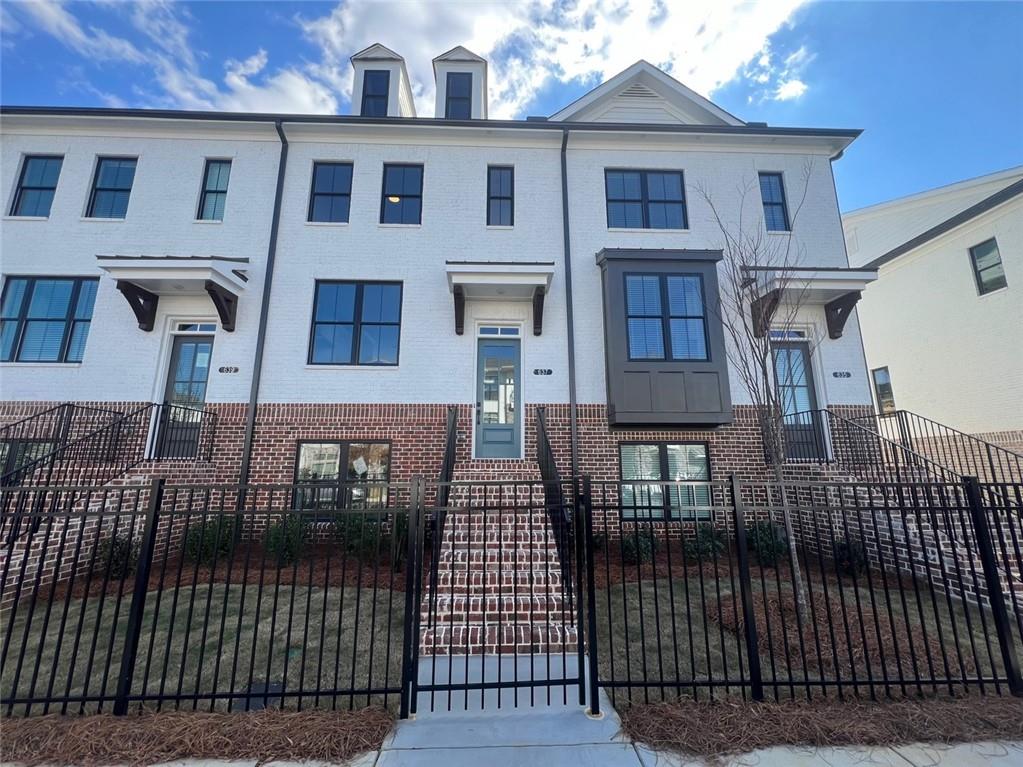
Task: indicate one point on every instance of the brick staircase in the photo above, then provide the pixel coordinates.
(498, 585)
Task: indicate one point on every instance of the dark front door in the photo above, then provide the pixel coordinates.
(498, 421)
(804, 438)
(185, 397)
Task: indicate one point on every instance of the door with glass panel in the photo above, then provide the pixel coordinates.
(498, 420)
(803, 429)
(185, 397)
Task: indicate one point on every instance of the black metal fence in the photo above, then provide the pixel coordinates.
(805, 589)
(233, 597)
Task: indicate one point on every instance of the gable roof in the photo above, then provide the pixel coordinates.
(1001, 196)
(646, 94)
(460, 53)
(376, 52)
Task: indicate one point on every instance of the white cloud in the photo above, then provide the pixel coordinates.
(704, 44)
(531, 44)
(53, 17)
(790, 90)
(780, 81)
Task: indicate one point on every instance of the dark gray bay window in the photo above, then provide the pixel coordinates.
(645, 199)
(647, 464)
(402, 201)
(36, 185)
(664, 341)
(46, 319)
(356, 323)
(111, 187)
(331, 197)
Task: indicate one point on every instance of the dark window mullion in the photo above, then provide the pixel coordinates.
(357, 326)
(21, 321)
(69, 320)
(644, 192)
(662, 454)
(669, 351)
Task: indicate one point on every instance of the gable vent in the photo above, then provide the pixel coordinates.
(638, 91)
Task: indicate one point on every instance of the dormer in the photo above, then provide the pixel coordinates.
(461, 85)
(381, 87)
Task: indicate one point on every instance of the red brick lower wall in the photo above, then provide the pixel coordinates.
(417, 437)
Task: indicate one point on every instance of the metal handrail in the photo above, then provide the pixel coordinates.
(962, 453)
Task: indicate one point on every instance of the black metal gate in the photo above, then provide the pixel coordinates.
(497, 607)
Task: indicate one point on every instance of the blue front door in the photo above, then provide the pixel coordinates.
(498, 421)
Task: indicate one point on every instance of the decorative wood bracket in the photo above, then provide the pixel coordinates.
(837, 312)
(538, 296)
(226, 304)
(142, 302)
(763, 310)
(459, 293)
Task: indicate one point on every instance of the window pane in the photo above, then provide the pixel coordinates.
(413, 180)
(986, 255)
(381, 303)
(501, 182)
(632, 186)
(500, 213)
(378, 345)
(34, 202)
(992, 279)
(42, 341)
(458, 109)
(625, 214)
(643, 295)
(8, 331)
(14, 294)
(460, 84)
(217, 175)
(86, 299)
(688, 463)
(332, 344)
(771, 188)
(213, 206)
(108, 204)
(369, 461)
(646, 339)
(687, 340)
(335, 302)
(664, 186)
(774, 218)
(76, 346)
(410, 210)
(639, 462)
(116, 174)
(375, 82)
(666, 215)
(684, 296)
(50, 299)
(319, 461)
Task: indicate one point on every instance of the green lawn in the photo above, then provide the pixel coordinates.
(300, 637)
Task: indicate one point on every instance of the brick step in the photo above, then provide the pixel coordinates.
(491, 638)
(504, 581)
(494, 604)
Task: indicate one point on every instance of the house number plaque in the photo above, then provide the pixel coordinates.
(842, 374)
(227, 369)
(542, 372)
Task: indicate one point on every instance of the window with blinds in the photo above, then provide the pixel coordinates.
(645, 466)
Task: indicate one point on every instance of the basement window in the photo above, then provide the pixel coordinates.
(643, 466)
(342, 475)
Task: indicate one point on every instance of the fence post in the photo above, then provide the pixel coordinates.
(994, 585)
(745, 586)
(138, 598)
(591, 603)
(413, 576)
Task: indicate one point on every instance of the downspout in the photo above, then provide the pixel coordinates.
(264, 309)
(572, 405)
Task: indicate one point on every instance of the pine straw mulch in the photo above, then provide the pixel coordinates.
(150, 738)
(318, 566)
(609, 568)
(733, 727)
(854, 649)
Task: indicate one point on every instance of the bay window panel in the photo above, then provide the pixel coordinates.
(646, 339)
(688, 339)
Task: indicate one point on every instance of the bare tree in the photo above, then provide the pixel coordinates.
(761, 300)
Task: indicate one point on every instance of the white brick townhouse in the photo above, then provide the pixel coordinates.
(329, 286)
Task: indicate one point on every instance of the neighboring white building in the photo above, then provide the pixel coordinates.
(418, 263)
(943, 323)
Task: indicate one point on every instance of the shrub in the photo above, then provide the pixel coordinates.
(359, 533)
(850, 556)
(119, 554)
(285, 538)
(767, 543)
(638, 546)
(706, 544)
(210, 541)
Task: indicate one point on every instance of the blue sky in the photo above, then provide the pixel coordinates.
(937, 86)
